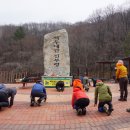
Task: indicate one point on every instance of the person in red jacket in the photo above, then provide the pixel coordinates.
(79, 99)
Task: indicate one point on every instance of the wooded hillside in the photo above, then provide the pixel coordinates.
(104, 36)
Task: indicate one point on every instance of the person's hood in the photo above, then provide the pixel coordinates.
(2, 87)
(77, 83)
(118, 64)
(99, 83)
(120, 61)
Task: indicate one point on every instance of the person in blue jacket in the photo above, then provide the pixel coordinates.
(3, 96)
(38, 90)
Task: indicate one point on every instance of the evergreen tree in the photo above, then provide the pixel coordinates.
(19, 33)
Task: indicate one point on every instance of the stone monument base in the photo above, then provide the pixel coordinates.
(50, 81)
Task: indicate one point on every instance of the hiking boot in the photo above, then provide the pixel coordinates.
(112, 109)
(104, 108)
(128, 110)
(32, 103)
(59, 89)
(120, 99)
(79, 111)
(124, 99)
(87, 89)
(38, 102)
(84, 111)
(109, 112)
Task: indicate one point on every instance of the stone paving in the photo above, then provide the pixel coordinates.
(57, 113)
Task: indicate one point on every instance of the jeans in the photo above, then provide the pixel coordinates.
(40, 95)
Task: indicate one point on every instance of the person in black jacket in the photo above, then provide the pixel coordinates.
(60, 86)
(25, 80)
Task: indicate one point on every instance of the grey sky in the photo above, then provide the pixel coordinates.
(25, 11)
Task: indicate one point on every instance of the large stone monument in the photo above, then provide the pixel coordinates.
(56, 55)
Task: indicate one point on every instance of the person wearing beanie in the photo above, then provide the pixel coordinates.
(80, 100)
(104, 95)
(121, 76)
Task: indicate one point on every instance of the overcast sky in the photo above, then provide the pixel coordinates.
(25, 11)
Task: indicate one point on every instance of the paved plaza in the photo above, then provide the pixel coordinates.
(57, 112)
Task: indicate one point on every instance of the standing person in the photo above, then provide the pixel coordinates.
(3, 97)
(94, 81)
(81, 78)
(38, 90)
(11, 92)
(79, 99)
(104, 94)
(25, 80)
(121, 76)
(86, 83)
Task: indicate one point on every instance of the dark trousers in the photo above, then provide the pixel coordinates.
(3, 99)
(4, 104)
(36, 94)
(123, 83)
(101, 105)
(94, 82)
(82, 103)
(60, 88)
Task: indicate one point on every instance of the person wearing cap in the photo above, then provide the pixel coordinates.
(11, 92)
(121, 76)
(104, 94)
(38, 90)
(79, 98)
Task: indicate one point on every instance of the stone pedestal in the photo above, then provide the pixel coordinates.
(50, 81)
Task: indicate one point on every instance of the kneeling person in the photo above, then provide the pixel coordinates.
(60, 86)
(105, 97)
(3, 96)
(80, 101)
(38, 90)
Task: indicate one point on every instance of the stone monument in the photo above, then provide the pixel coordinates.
(56, 58)
(56, 54)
